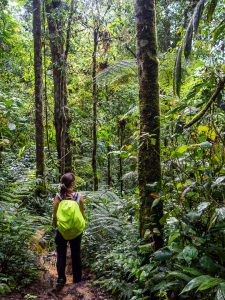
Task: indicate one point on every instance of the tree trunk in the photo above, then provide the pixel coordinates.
(109, 175)
(149, 166)
(122, 124)
(166, 27)
(94, 99)
(38, 88)
(61, 120)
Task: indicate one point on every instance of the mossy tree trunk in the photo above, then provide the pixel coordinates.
(38, 88)
(59, 56)
(149, 166)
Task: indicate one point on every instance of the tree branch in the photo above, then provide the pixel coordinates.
(131, 51)
(196, 118)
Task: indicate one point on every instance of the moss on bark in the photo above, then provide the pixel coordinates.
(149, 166)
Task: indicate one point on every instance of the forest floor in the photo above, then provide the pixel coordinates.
(45, 289)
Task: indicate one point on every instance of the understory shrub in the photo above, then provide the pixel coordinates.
(111, 244)
(18, 264)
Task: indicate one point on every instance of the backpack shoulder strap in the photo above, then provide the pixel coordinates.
(76, 197)
(59, 196)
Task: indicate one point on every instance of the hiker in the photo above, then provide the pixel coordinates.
(68, 210)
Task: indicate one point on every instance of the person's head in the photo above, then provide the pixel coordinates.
(67, 183)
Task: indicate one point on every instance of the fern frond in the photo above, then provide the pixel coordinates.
(117, 71)
(130, 176)
(132, 112)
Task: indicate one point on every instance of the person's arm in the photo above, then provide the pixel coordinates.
(55, 208)
(82, 204)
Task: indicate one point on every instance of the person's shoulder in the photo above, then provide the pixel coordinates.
(57, 198)
(79, 196)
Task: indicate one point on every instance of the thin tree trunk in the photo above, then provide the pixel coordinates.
(69, 152)
(109, 175)
(166, 27)
(149, 166)
(94, 96)
(122, 124)
(38, 88)
(45, 81)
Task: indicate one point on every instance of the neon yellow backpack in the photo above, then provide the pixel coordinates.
(70, 221)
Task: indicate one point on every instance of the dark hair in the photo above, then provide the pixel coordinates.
(67, 181)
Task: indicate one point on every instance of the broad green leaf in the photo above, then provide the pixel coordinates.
(220, 213)
(218, 181)
(179, 275)
(191, 271)
(173, 237)
(162, 254)
(210, 283)
(143, 275)
(202, 206)
(212, 135)
(179, 185)
(196, 282)
(212, 220)
(182, 149)
(188, 254)
(202, 128)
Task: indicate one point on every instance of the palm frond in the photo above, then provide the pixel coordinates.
(187, 43)
(211, 9)
(219, 31)
(117, 71)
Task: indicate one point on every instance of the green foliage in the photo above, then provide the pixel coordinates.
(191, 265)
(111, 237)
(211, 9)
(188, 39)
(18, 265)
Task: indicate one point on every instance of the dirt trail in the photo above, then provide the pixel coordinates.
(45, 289)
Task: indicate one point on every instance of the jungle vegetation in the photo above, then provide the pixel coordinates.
(128, 95)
